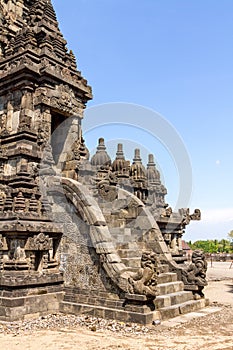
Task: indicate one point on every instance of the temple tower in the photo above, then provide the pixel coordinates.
(108, 221)
(40, 87)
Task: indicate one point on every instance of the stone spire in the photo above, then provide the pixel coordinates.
(101, 157)
(36, 44)
(137, 170)
(156, 190)
(120, 153)
(120, 166)
(153, 174)
(40, 88)
(138, 176)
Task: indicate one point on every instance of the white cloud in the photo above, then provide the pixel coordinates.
(217, 215)
(215, 223)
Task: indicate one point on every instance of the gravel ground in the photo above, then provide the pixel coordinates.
(216, 291)
(213, 331)
(219, 271)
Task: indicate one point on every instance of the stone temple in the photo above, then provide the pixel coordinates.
(78, 235)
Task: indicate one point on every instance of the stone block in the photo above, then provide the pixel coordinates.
(105, 248)
(136, 308)
(167, 277)
(140, 318)
(135, 297)
(98, 312)
(129, 253)
(162, 301)
(119, 268)
(12, 302)
(142, 223)
(110, 314)
(169, 312)
(14, 309)
(99, 234)
(168, 288)
(113, 258)
(181, 297)
(132, 262)
(190, 306)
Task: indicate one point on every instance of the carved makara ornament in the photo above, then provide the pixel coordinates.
(195, 273)
(144, 282)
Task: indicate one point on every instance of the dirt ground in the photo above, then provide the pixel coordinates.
(211, 330)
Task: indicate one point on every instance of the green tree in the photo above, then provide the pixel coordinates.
(213, 246)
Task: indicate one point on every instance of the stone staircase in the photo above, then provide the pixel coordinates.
(127, 248)
(172, 299)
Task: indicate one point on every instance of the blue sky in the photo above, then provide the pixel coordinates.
(174, 57)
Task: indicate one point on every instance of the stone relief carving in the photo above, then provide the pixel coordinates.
(144, 282)
(106, 191)
(107, 185)
(39, 242)
(43, 133)
(16, 249)
(196, 215)
(62, 99)
(19, 254)
(3, 122)
(1, 242)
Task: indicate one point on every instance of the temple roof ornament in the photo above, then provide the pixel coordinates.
(137, 169)
(101, 157)
(36, 44)
(153, 174)
(120, 166)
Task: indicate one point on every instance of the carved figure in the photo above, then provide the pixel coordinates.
(145, 280)
(106, 191)
(106, 187)
(19, 253)
(195, 273)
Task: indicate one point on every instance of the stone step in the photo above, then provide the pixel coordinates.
(132, 262)
(183, 308)
(120, 231)
(167, 277)
(172, 299)
(171, 287)
(119, 314)
(121, 235)
(163, 268)
(121, 239)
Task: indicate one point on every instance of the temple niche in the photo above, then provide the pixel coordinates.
(77, 234)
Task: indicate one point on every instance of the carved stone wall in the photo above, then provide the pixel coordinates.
(79, 261)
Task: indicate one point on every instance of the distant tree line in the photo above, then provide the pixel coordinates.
(213, 246)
